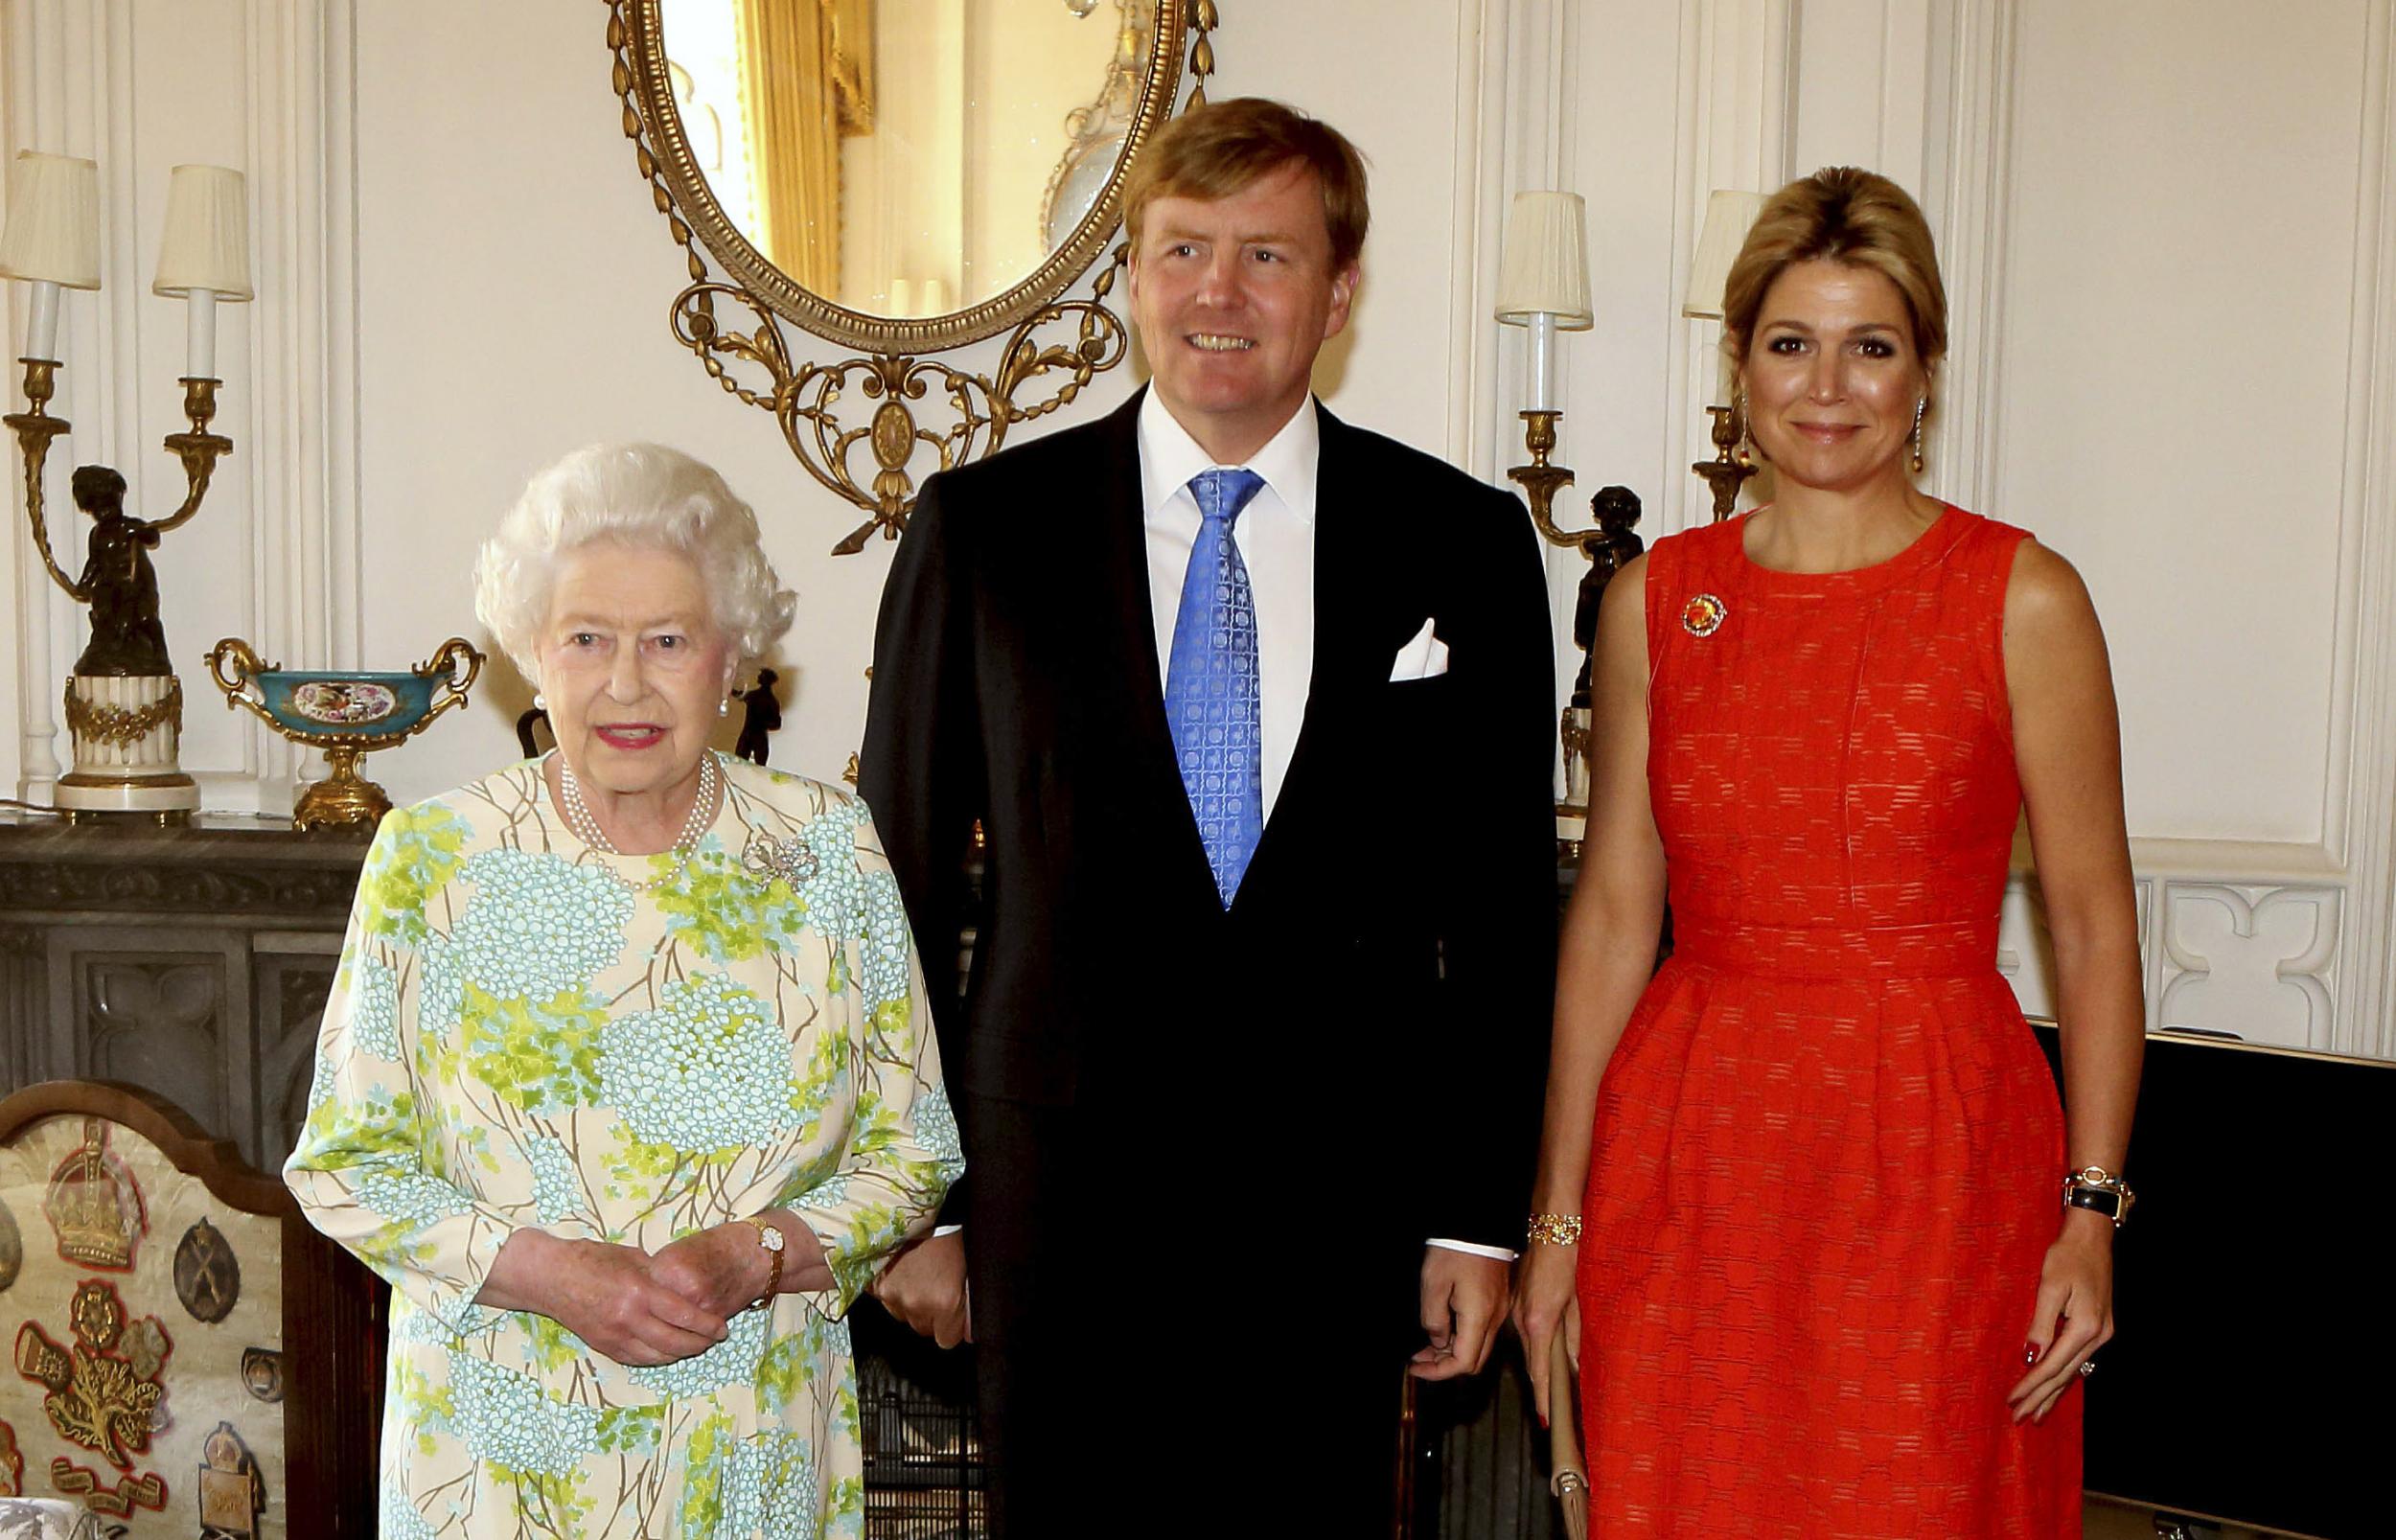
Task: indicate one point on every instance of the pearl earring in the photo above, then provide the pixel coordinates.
(540, 703)
(723, 707)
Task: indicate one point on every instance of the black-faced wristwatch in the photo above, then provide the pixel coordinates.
(2099, 1192)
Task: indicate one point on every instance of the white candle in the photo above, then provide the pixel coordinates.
(200, 335)
(1542, 362)
(41, 323)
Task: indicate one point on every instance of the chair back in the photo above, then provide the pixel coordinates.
(185, 1355)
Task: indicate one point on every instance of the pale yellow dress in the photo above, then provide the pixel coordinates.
(518, 1037)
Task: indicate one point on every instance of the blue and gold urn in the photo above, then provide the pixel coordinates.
(346, 714)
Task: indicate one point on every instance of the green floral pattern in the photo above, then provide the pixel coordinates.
(517, 1037)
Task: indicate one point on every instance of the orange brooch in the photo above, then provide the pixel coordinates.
(1703, 616)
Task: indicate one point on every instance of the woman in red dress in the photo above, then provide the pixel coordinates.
(1807, 1214)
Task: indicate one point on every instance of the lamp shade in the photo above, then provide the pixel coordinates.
(206, 243)
(1728, 217)
(1546, 270)
(54, 220)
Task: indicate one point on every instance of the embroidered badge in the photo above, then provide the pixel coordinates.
(12, 1247)
(104, 1394)
(1703, 616)
(261, 1374)
(232, 1493)
(207, 1274)
(118, 1501)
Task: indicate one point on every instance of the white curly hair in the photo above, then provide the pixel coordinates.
(645, 495)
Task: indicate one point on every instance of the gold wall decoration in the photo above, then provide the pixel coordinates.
(863, 425)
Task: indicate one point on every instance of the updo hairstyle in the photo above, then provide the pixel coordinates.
(1847, 215)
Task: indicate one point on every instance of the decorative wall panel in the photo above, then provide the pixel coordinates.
(2252, 960)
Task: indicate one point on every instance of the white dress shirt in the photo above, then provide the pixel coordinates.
(1275, 537)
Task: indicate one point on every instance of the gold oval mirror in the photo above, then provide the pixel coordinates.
(902, 175)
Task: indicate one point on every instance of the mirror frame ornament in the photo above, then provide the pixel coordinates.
(891, 367)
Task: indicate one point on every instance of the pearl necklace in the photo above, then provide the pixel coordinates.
(702, 810)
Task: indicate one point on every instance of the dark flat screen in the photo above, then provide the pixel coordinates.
(2256, 1355)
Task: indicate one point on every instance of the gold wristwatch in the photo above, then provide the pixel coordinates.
(771, 1238)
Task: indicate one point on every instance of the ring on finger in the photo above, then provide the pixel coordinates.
(2087, 1368)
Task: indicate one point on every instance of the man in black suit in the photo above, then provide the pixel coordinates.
(1253, 710)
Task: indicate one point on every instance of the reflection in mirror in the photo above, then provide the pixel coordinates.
(907, 158)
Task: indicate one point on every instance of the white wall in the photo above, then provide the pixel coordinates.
(2171, 255)
(509, 302)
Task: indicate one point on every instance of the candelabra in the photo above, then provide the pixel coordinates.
(1729, 215)
(1543, 284)
(1730, 467)
(124, 704)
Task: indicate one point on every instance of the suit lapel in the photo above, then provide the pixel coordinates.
(1350, 603)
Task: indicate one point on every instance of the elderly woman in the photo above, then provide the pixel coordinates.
(1829, 1253)
(626, 1084)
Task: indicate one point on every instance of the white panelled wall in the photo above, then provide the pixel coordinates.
(2171, 259)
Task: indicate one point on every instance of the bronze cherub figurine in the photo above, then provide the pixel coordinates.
(118, 581)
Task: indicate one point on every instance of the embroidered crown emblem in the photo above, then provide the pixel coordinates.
(95, 1205)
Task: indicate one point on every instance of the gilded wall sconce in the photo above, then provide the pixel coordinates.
(1728, 217)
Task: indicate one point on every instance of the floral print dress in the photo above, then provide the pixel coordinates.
(519, 1035)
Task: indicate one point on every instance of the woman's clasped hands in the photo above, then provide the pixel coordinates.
(645, 1309)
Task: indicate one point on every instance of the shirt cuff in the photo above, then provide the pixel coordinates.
(1497, 1254)
(938, 1230)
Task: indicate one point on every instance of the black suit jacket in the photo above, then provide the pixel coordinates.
(1360, 1038)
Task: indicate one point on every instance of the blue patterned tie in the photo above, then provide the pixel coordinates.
(1210, 691)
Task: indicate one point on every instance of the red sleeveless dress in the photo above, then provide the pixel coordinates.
(1828, 1153)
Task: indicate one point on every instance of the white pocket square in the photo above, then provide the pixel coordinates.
(1425, 658)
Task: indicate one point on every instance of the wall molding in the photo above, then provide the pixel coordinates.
(1516, 126)
(2235, 936)
(70, 63)
(304, 535)
(2359, 806)
(2258, 957)
(1734, 129)
(1966, 191)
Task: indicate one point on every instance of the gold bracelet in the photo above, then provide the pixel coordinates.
(1556, 1230)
